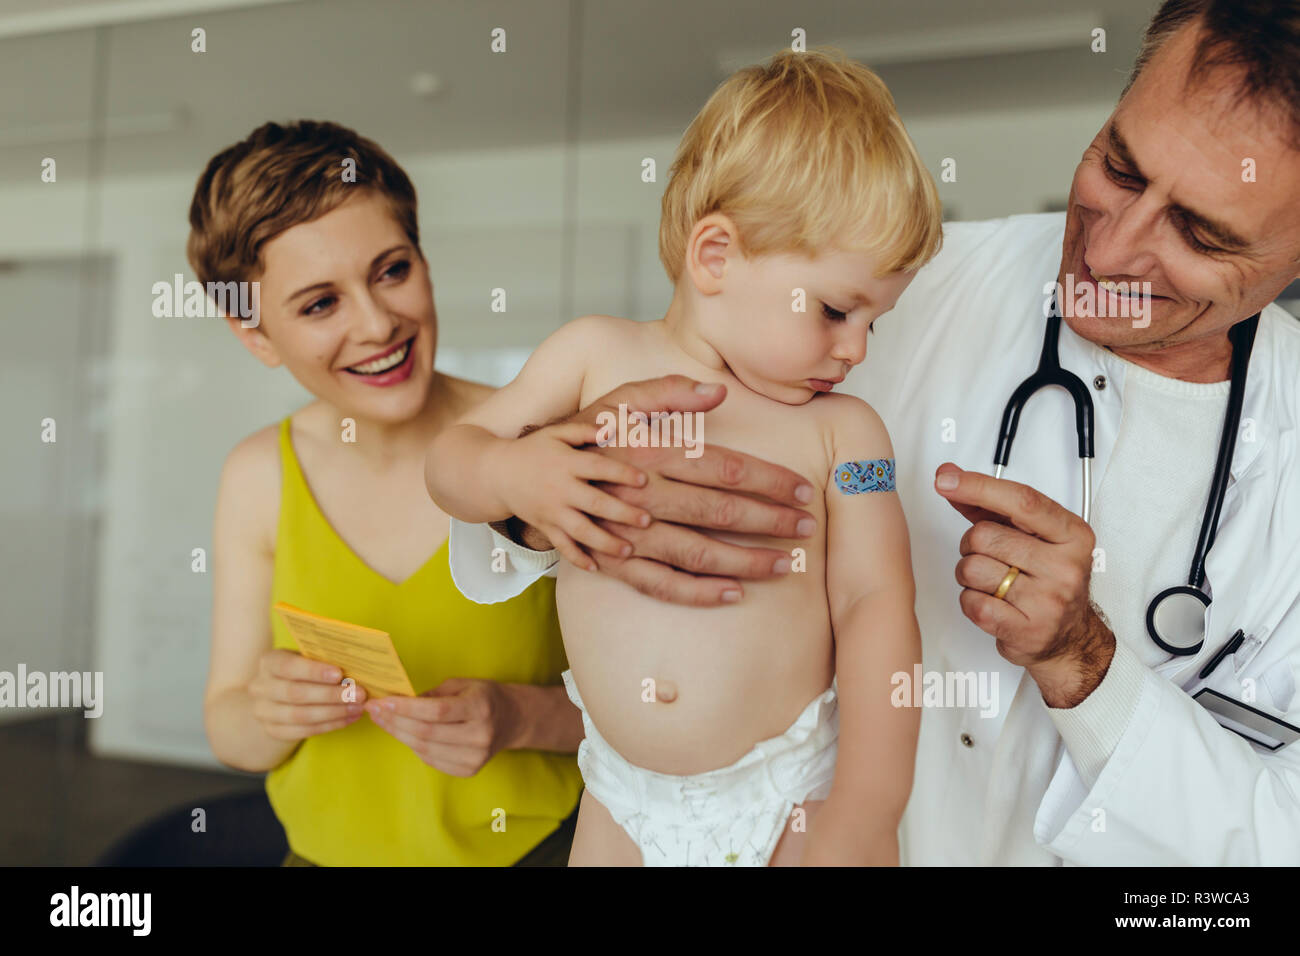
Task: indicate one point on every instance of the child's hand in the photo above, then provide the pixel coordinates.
(544, 480)
(295, 697)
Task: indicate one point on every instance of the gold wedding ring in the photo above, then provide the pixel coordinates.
(1012, 573)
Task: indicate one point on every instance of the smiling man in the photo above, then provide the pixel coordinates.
(1115, 744)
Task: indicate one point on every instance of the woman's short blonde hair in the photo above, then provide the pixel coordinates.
(804, 154)
(281, 176)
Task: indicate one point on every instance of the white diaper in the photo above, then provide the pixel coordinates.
(733, 816)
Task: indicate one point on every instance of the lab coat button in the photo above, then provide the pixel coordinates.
(967, 740)
(1099, 383)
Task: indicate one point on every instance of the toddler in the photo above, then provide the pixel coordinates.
(796, 213)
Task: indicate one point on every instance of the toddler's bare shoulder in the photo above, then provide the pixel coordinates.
(851, 426)
(607, 345)
(605, 330)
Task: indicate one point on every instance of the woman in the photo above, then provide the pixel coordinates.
(327, 511)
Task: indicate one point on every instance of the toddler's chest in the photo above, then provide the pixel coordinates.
(787, 435)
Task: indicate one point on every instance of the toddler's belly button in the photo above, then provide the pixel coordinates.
(654, 691)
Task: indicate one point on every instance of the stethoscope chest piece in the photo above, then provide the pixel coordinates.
(1175, 616)
(1176, 619)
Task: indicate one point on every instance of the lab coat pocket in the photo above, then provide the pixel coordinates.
(1279, 681)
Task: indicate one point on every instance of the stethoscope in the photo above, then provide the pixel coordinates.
(1175, 616)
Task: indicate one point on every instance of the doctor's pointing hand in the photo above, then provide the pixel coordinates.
(1025, 571)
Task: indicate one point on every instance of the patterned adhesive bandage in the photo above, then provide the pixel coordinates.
(855, 477)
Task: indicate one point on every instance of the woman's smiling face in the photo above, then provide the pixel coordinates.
(346, 305)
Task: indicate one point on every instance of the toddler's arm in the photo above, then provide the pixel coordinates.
(872, 601)
(479, 470)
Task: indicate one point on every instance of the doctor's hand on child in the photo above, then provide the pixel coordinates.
(720, 489)
(1044, 620)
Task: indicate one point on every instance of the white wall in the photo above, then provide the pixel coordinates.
(48, 495)
(182, 392)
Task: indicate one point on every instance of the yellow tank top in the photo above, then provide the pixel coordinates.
(357, 796)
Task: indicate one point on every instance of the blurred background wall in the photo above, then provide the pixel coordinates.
(528, 165)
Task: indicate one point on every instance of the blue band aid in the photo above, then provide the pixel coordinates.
(855, 477)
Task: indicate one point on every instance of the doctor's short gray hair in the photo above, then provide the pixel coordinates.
(1258, 38)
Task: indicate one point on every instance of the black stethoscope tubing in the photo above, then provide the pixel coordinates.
(1050, 372)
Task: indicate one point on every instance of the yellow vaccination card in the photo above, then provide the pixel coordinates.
(362, 653)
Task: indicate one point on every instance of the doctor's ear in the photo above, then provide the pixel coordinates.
(255, 340)
(713, 240)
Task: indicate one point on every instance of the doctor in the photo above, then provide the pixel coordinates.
(1106, 748)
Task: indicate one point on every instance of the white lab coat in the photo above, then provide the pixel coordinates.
(1177, 788)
